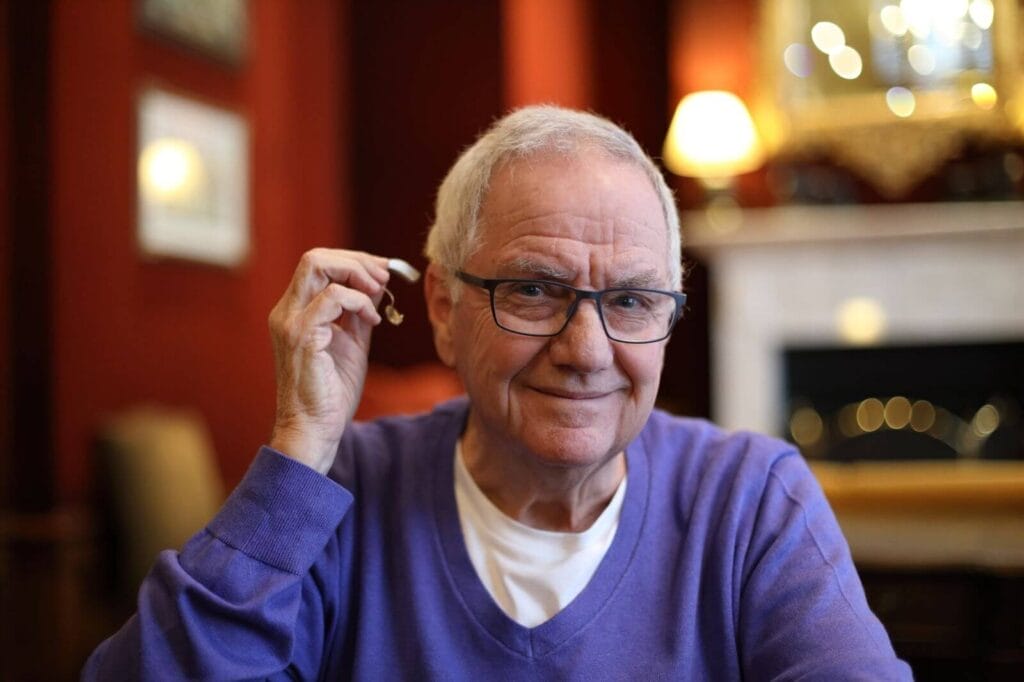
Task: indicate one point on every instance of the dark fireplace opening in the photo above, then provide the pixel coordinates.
(952, 401)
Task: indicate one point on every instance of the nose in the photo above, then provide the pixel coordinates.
(583, 345)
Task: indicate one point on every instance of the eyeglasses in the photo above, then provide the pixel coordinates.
(534, 307)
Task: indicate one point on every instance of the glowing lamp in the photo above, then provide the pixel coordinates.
(171, 172)
(712, 138)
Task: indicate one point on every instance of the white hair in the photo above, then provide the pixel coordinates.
(525, 132)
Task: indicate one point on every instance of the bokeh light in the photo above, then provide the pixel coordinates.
(900, 101)
(984, 95)
(797, 58)
(846, 62)
(827, 37)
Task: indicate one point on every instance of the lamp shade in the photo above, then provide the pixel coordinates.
(712, 137)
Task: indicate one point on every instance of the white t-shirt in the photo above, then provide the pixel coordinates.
(532, 574)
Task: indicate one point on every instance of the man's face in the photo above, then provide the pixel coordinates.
(577, 398)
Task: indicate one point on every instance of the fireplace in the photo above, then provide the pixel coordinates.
(937, 401)
(946, 284)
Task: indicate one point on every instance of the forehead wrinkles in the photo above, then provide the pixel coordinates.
(516, 226)
(570, 260)
(570, 207)
(574, 247)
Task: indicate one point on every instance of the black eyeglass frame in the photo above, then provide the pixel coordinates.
(581, 294)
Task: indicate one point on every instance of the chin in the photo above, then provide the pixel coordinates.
(570, 448)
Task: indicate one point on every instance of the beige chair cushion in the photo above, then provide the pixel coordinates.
(162, 482)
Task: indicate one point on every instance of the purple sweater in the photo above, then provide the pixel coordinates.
(727, 564)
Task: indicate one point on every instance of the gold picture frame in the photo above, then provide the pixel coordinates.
(214, 28)
(803, 107)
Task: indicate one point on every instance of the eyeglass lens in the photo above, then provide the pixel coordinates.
(541, 308)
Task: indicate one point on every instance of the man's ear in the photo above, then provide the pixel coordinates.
(439, 309)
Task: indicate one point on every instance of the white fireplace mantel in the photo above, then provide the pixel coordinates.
(941, 272)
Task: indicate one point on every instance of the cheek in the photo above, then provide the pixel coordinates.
(643, 366)
(494, 363)
(484, 353)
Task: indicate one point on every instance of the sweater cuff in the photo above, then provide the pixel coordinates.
(282, 513)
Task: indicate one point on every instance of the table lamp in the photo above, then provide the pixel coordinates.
(712, 138)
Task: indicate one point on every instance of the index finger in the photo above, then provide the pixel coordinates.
(354, 269)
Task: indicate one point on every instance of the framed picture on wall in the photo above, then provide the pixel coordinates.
(216, 28)
(192, 180)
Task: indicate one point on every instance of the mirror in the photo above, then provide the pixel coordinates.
(888, 88)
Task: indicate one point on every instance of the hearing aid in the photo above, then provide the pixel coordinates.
(409, 274)
(404, 270)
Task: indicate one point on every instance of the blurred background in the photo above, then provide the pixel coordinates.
(851, 174)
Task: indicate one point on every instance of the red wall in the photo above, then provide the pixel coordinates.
(426, 78)
(712, 46)
(178, 333)
(547, 52)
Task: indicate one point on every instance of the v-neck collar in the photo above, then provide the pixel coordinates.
(537, 641)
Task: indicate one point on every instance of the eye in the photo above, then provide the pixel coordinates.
(529, 290)
(628, 300)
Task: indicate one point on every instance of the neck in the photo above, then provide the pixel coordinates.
(537, 493)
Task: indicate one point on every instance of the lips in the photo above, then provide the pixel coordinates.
(573, 395)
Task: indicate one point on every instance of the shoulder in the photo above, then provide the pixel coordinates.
(387, 445)
(688, 443)
(405, 430)
(697, 462)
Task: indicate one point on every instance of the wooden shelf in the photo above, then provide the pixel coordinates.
(930, 514)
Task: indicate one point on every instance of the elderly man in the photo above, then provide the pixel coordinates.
(550, 525)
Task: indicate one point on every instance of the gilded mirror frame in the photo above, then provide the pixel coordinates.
(860, 131)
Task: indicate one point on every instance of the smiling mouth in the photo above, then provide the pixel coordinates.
(573, 395)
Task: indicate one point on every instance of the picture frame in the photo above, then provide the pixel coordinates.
(896, 121)
(214, 28)
(192, 180)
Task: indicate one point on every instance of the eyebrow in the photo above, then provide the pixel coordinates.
(646, 279)
(528, 268)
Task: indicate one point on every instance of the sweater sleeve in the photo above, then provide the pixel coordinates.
(237, 601)
(803, 614)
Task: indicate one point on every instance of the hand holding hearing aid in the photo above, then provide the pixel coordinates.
(320, 331)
